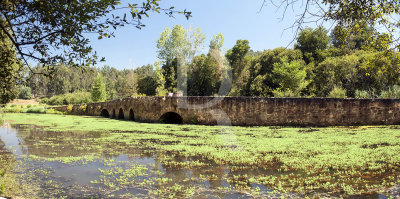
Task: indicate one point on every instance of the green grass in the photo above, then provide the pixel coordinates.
(338, 161)
(29, 109)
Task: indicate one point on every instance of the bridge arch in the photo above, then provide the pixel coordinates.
(131, 115)
(121, 115)
(105, 113)
(171, 118)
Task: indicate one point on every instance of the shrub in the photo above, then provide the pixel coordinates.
(17, 110)
(393, 92)
(55, 100)
(52, 111)
(337, 92)
(25, 93)
(70, 98)
(36, 110)
(44, 100)
(82, 109)
(70, 108)
(362, 94)
(284, 93)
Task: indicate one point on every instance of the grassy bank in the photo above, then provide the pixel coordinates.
(338, 161)
(42, 109)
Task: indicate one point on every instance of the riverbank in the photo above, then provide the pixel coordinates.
(333, 161)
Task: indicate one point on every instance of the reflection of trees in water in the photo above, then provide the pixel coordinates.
(6, 156)
(48, 144)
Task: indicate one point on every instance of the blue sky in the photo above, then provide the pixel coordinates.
(235, 19)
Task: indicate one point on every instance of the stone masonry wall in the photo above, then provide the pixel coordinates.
(251, 111)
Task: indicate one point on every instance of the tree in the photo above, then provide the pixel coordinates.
(364, 37)
(55, 32)
(376, 13)
(236, 57)
(51, 33)
(176, 48)
(10, 68)
(25, 93)
(160, 82)
(339, 71)
(260, 71)
(147, 85)
(99, 89)
(170, 75)
(290, 76)
(126, 83)
(309, 41)
(217, 41)
(206, 72)
(147, 81)
(196, 79)
(179, 43)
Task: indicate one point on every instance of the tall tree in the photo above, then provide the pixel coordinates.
(290, 76)
(147, 81)
(179, 43)
(10, 68)
(364, 37)
(236, 57)
(217, 41)
(310, 41)
(160, 82)
(206, 72)
(99, 89)
(176, 48)
(170, 74)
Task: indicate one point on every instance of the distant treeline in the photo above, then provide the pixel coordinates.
(318, 66)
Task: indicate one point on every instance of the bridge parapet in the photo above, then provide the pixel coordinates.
(249, 111)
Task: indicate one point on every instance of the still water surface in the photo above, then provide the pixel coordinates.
(77, 165)
(69, 164)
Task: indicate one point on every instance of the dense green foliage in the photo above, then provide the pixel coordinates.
(10, 68)
(25, 93)
(315, 67)
(310, 41)
(53, 33)
(56, 33)
(69, 98)
(99, 89)
(70, 80)
(42, 109)
(351, 16)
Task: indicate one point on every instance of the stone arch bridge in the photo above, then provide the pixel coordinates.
(247, 111)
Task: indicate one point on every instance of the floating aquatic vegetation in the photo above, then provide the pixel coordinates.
(162, 160)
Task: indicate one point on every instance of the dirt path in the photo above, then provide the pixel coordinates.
(24, 102)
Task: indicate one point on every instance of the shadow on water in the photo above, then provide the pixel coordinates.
(92, 164)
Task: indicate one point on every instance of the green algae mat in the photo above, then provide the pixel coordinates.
(63, 156)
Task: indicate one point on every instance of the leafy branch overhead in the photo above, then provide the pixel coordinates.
(51, 32)
(352, 15)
